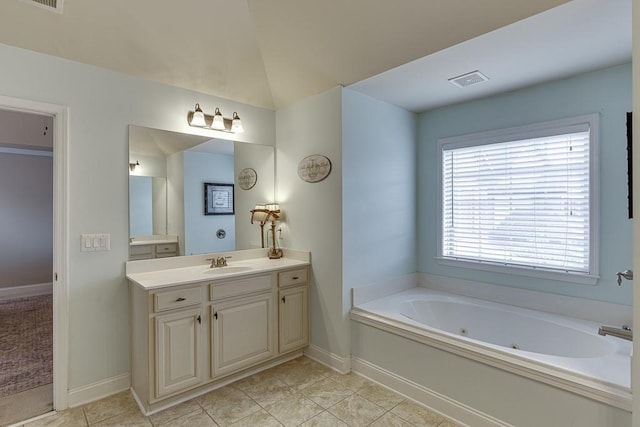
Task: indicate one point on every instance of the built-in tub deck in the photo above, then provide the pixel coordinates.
(557, 350)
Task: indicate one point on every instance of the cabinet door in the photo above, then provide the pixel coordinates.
(178, 351)
(242, 333)
(294, 318)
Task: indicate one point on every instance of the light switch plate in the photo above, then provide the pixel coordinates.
(95, 242)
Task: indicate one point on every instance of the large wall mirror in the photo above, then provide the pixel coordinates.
(168, 172)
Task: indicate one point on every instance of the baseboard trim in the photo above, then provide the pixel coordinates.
(99, 390)
(26, 291)
(333, 361)
(459, 412)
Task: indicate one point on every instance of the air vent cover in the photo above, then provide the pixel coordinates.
(468, 79)
(52, 5)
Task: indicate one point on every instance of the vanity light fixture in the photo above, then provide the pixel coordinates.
(236, 124)
(199, 119)
(133, 166)
(218, 120)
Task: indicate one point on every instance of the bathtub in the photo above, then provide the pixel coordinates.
(557, 350)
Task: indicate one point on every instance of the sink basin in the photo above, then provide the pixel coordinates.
(227, 270)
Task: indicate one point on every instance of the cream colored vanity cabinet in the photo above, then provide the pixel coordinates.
(178, 351)
(293, 309)
(168, 340)
(212, 327)
(243, 323)
(150, 251)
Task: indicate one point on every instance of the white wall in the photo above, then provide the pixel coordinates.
(262, 160)
(102, 104)
(313, 212)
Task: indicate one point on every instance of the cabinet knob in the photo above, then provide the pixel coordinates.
(199, 319)
(179, 299)
(215, 314)
(284, 299)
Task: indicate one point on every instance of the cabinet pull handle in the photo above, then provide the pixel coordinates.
(180, 299)
(215, 314)
(284, 299)
(295, 278)
(199, 319)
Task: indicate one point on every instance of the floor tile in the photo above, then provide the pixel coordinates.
(125, 419)
(293, 412)
(351, 381)
(324, 419)
(449, 423)
(390, 420)
(228, 405)
(261, 418)
(175, 412)
(416, 414)
(270, 390)
(356, 411)
(300, 392)
(326, 392)
(194, 419)
(380, 396)
(109, 407)
(255, 379)
(73, 417)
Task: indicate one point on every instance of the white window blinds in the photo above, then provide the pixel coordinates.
(521, 203)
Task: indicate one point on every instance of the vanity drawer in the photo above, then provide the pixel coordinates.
(168, 300)
(141, 250)
(243, 286)
(292, 277)
(166, 248)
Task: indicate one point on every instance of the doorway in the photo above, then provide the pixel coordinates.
(57, 246)
(26, 248)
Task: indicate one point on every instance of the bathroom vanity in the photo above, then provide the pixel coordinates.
(149, 247)
(195, 328)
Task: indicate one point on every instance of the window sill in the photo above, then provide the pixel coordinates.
(540, 273)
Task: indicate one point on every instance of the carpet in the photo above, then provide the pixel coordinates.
(26, 343)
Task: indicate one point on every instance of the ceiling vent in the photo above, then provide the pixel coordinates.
(468, 79)
(51, 5)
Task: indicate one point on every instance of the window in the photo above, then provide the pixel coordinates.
(522, 200)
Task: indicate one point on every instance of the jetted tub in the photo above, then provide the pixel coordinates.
(557, 350)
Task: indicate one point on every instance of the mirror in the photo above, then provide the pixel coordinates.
(168, 173)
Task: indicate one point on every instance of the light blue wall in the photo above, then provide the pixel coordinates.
(200, 229)
(140, 206)
(378, 190)
(607, 92)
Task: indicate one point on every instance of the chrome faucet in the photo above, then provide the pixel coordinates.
(218, 262)
(627, 274)
(624, 332)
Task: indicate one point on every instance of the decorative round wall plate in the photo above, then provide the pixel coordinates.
(314, 168)
(247, 178)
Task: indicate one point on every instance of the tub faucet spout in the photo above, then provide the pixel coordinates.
(627, 274)
(624, 332)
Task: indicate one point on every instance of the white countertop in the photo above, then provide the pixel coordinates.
(163, 277)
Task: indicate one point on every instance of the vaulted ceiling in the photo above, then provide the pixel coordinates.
(267, 53)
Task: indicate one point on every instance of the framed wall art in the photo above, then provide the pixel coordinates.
(218, 199)
(247, 178)
(314, 168)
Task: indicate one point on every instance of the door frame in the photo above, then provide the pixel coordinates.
(60, 116)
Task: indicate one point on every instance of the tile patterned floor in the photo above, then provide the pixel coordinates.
(298, 393)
